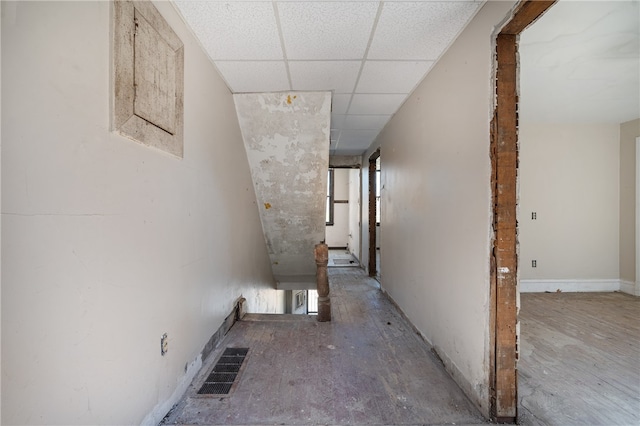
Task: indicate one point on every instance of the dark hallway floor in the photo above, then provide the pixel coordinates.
(365, 367)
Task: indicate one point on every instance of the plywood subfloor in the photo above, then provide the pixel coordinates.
(367, 366)
(579, 359)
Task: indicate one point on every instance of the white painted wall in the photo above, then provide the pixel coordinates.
(354, 212)
(436, 204)
(1, 340)
(636, 289)
(569, 175)
(108, 244)
(338, 233)
(629, 131)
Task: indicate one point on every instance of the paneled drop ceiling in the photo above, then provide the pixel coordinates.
(371, 54)
(580, 62)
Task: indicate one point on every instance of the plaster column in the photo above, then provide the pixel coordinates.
(321, 252)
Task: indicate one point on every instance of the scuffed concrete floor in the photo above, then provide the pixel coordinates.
(367, 366)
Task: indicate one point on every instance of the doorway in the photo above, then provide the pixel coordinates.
(343, 216)
(503, 258)
(374, 214)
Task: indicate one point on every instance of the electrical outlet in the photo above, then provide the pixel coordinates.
(534, 263)
(164, 344)
(534, 215)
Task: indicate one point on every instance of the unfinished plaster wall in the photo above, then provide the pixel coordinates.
(629, 131)
(436, 204)
(569, 176)
(106, 243)
(286, 137)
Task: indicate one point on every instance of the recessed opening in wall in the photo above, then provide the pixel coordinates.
(148, 77)
(569, 170)
(374, 213)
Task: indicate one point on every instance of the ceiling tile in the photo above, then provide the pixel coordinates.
(350, 151)
(419, 30)
(337, 121)
(339, 104)
(230, 30)
(254, 76)
(360, 122)
(339, 76)
(376, 104)
(391, 76)
(326, 30)
(357, 138)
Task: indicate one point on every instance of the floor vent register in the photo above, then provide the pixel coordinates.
(224, 374)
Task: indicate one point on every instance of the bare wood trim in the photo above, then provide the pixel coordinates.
(493, 272)
(372, 213)
(526, 14)
(321, 254)
(505, 221)
(503, 258)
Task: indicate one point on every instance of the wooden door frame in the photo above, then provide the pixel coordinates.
(503, 258)
(372, 213)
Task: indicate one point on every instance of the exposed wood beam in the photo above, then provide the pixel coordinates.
(526, 13)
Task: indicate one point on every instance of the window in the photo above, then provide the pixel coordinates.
(329, 212)
(378, 191)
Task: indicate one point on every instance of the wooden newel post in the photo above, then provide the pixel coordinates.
(321, 252)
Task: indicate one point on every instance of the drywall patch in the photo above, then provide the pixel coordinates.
(147, 78)
(286, 136)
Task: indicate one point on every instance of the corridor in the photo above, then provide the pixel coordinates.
(368, 366)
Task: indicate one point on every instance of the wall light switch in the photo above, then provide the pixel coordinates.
(534, 215)
(534, 263)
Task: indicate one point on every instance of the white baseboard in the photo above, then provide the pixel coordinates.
(569, 286)
(630, 287)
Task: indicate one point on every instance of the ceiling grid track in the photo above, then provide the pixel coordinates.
(284, 47)
(364, 59)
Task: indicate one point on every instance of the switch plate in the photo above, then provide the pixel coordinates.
(534, 263)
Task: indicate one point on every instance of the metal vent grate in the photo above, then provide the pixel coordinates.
(224, 374)
(215, 389)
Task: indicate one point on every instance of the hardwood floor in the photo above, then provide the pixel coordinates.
(579, 359)
(366, 366)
